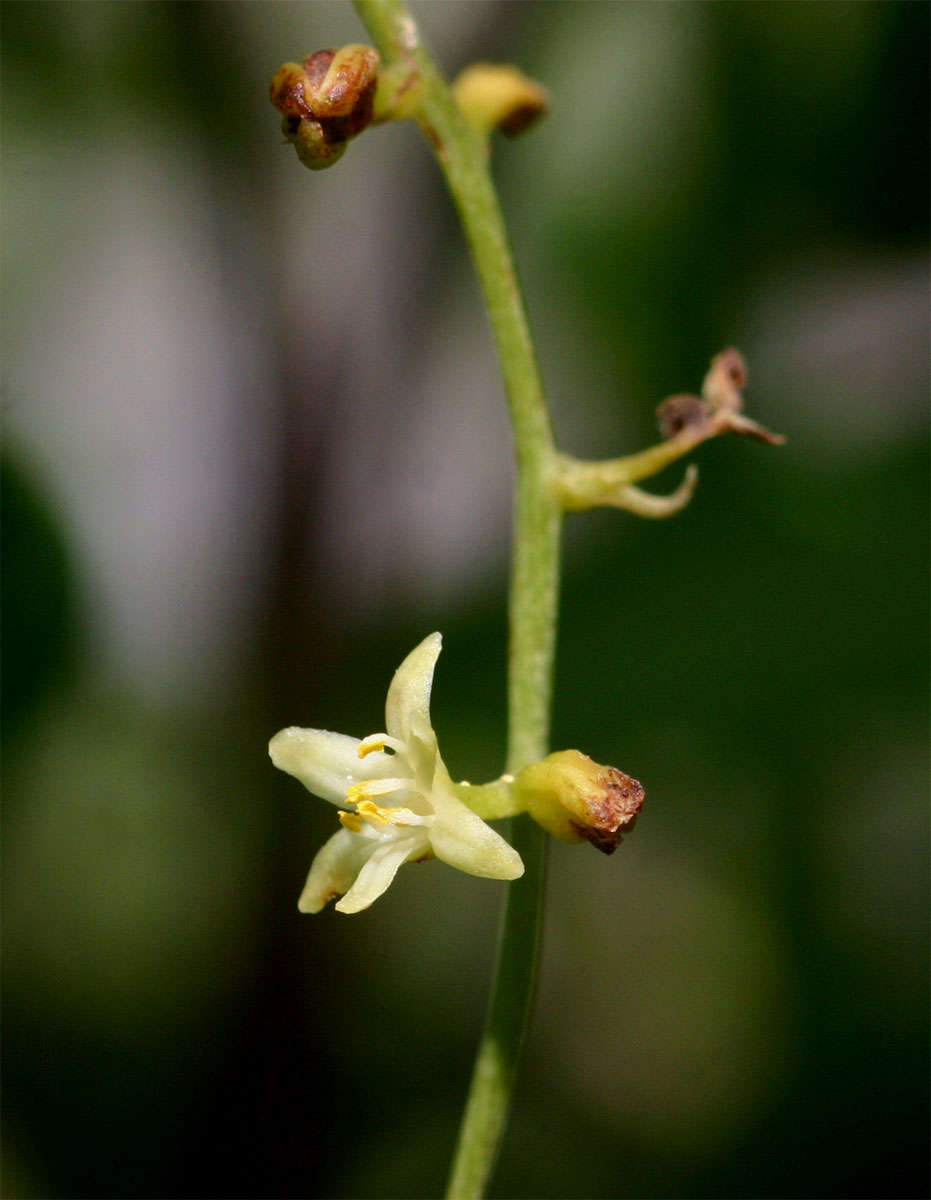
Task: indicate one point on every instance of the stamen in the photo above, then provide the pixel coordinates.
(350, 821)
(388, 816)
(367, 811)
(378, 741)
(376, 787)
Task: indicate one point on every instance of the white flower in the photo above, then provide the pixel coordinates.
(422, 816)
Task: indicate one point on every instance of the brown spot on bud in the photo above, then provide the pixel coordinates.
(316, 66)
(575, 798)
(287, 91)
(521, 118)
(681, 412)
(499, 96)
(612, 810)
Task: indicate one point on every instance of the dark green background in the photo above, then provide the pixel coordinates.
(733, 1005)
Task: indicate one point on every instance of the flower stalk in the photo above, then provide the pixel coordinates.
(326, 100)
(463, 158)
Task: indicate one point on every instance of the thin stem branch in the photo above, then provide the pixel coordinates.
(534, 581)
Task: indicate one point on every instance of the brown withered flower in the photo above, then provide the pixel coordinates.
(325, 101)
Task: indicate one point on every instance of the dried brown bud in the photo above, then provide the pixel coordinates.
(681, 412)
(326, 100)
(576, 799)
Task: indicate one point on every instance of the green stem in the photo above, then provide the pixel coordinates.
(534, 581)
(580, 477)
(492, 801)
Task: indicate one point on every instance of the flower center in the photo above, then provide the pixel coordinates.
(359, 795)
(379, 817)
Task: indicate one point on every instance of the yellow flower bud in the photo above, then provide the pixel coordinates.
(499, 96)
(575, 799)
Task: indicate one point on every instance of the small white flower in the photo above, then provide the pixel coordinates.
(422, 816)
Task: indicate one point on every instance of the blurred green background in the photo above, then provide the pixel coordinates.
(256, 449)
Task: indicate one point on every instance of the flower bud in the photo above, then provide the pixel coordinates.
(499, 96)
(576, 799)
(326, 100)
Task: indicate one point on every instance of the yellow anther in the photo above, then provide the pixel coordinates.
(375, 741)
(351, 821)
(387, 816)
(378, 741)
(369, 811)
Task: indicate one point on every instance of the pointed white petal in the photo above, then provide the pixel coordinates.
(461, 838)
(335, 869)
(376, 876)
(407, 709)
(327, 764)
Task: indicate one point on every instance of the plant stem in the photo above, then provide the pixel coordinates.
(534, 580)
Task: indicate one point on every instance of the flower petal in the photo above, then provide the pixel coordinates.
(407, 709)
(335, 869)
(461, 838)
(377, 874)
(327, 764)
